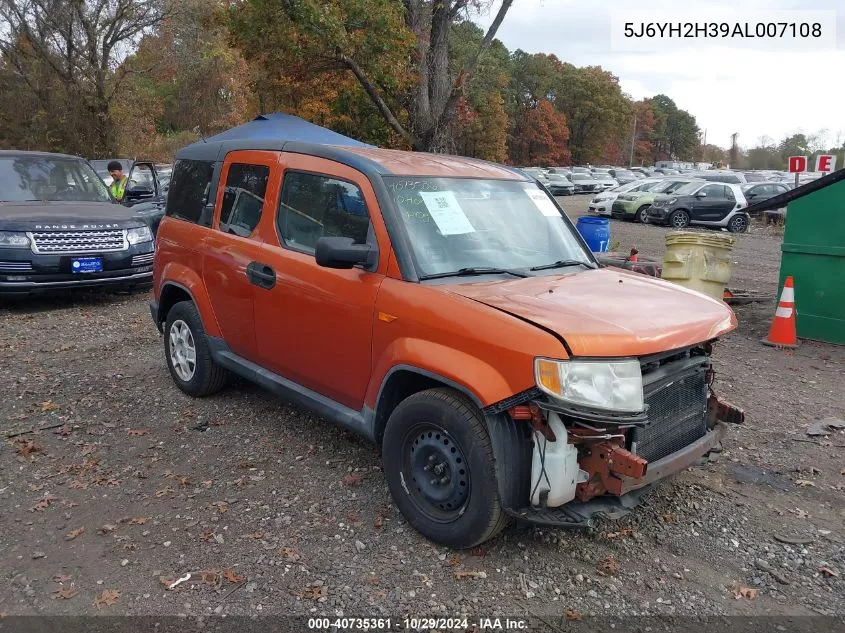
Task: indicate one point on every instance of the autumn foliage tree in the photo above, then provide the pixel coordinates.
(540, 137)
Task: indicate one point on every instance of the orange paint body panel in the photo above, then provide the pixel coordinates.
(440, 165)
(609, 312)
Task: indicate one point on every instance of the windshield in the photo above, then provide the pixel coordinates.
(580, 177)
(602, 176)
(557, 178)
(665, 185)
(624, 173)
(456, 223)
(42, 178)
(687, 189)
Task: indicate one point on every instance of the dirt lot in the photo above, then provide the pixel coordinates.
(133, 482)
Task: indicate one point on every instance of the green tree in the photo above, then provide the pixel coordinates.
(676, 131)
(398, 52)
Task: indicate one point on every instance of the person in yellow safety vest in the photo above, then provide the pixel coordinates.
(118, 185)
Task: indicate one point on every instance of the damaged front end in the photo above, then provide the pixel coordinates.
(572, 464)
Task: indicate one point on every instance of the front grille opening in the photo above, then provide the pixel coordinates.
(72, 242)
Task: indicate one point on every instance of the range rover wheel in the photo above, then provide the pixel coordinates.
(679, 219)
(642, 214)
(738, 224)
(440, 469)
(188, 355)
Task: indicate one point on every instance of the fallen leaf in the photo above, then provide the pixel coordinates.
(746, 592)
(26, 448)
(608, 566)
(74, 533)
(378, 523)
(108, 527)
(353, 518)
(139, 520)
(828, 572)
(62, 578)
(78, 485)
(107, 598)
(626, 531)
(36, 487)
(667, 518)
(63, 431)
(184, 482)
(164, 491)
(463, 575)
(573, 614)
(288, 553)
(43, 504)
(353, 479)
(315, 593)
(244, 465)
(804, 483)
(138, 432)
(240, 481)
(168, 474)
(64, 594)
(801, 514)
(207, 483)
(232, 576)
(256, 535)
(206, 534)
(218, 422)
(208, 577)
(454, 561)
(48, 405)
(222, 506)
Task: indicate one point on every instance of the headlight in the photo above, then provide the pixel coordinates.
(141, 234)
(13, 239)
(611, 385)
(670, 201)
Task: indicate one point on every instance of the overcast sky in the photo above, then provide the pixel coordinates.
(753, 92)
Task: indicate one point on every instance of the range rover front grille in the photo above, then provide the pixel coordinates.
(72, 242)
(676, 395)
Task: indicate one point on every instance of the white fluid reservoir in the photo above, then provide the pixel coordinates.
(554, 466)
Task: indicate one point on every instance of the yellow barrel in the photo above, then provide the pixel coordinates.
(700, 261)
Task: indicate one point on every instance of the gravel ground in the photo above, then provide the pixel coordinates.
(134, 483)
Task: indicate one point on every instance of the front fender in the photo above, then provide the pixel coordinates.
(186, 278)
(480, 380)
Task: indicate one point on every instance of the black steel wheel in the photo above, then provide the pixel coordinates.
(439, 465)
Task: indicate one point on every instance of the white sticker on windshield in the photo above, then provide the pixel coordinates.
(542, 202)
(446, 212)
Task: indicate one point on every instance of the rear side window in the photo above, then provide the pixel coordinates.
(714, 191)
(243, 198)
(313, 206)
(188, 193)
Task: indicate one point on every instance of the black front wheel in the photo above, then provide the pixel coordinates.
(738, 224)
(679, 219)
(642, 214)
(439, 465)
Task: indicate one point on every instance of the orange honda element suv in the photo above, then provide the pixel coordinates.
(446, 309)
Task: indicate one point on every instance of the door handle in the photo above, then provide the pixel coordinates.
(261, 275)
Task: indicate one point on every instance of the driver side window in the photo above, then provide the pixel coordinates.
(713, 191)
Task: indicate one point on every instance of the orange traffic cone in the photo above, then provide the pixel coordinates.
(782, 333)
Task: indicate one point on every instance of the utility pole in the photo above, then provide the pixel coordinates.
(633, 141)
(734, 150)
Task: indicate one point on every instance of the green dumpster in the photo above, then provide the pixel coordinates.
(814, 254)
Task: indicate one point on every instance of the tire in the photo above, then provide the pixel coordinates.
(202, 376)
(442, 429)
(738, 224)
(679, 219)
(642, 214)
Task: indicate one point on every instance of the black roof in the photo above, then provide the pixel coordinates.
(799, 192)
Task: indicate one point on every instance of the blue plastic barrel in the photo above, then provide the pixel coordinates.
(595, 231)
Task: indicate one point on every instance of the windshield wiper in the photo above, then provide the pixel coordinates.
(476, 270)
(562, 263)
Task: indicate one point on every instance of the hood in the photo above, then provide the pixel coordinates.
(608, 312)
(32, 216)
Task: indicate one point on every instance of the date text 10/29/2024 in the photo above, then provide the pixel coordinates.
(417, 624)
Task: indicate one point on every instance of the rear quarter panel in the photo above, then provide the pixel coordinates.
(178, 260)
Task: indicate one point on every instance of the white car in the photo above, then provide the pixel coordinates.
(601, 203)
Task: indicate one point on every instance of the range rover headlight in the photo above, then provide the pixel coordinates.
(610, 385)
(138, 235)
(13, 239)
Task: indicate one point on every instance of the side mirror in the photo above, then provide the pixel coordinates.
(343, 252)
(701, 194)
